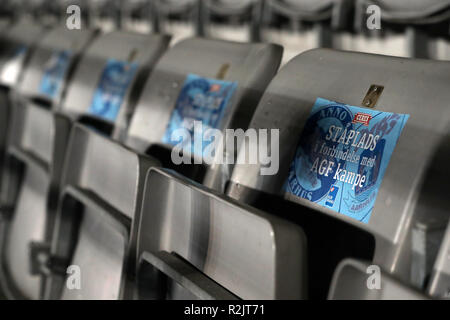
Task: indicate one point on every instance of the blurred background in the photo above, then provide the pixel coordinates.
(408, 28)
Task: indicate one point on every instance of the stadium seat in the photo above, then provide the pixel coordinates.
(232, 73)
(180, 18)
(422, 20)
(136, 15)
(96, 92)
(35, 153)
(358, 280)
(198, 244)
(101, 195)
(395, 194)
(92, 91)
(17, 44)
(300, 25)
(234, 20)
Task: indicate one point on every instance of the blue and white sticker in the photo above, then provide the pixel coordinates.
(111, 89)
(342, 156)
(54, 72)
(201, 99)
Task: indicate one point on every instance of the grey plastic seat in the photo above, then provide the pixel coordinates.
(301, 25)
(248, 68)
(421, 20)
(47, 139)
(101, 195)
(411, 188)
(232, 20)
(197, 244)
(439, 283)
(108, 79)
(35, 153)
(135, 15)
(352, 281)
(17, 44)
(180, 18)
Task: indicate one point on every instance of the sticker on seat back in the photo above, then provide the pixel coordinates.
(54, 72)
(111, 89)
(201, 99)
(342, 156)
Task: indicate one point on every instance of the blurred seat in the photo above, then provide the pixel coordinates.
(422, 21)
(136, 15)
(103, 14)
(35, 153)
(358, 280)
(180, 18)
(186, 86)
(234, 20)
(194, 243)
(101, 84)
(17, 44)
(101, 195)
(403, 179)
(300, 25)
(109, 77)
(439, 282)
(18, 41)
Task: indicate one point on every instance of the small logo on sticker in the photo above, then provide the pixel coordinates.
(363, 118)
(215, 88)
(332, 196)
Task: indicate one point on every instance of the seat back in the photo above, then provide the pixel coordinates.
(19, 40)
(35, 154)
(51, 63)
(406, 166)
(358, 280)
(301, 25)
(410, 10)
(217, 83)
(179, 18)
(191, 234)
(101, 196)
(232, 20)
(107, 80)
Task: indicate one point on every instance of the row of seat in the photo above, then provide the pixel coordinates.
(83, 182)
(296, 24)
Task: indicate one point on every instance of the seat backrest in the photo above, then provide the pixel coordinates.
(408, 9)
(439, 283)
(358, 280)
(34, 145)
(232, 20)
(410, 120)
(247, 252)
(34, 162)
(106, 81)
(19, 40)
(50, 64)
(101, 195)
(229, 74)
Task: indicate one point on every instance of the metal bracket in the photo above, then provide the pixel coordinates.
(372, 96)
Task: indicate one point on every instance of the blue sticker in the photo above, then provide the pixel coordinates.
(111, 89)
(54, 72)
(200, 99)
(342, 156)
